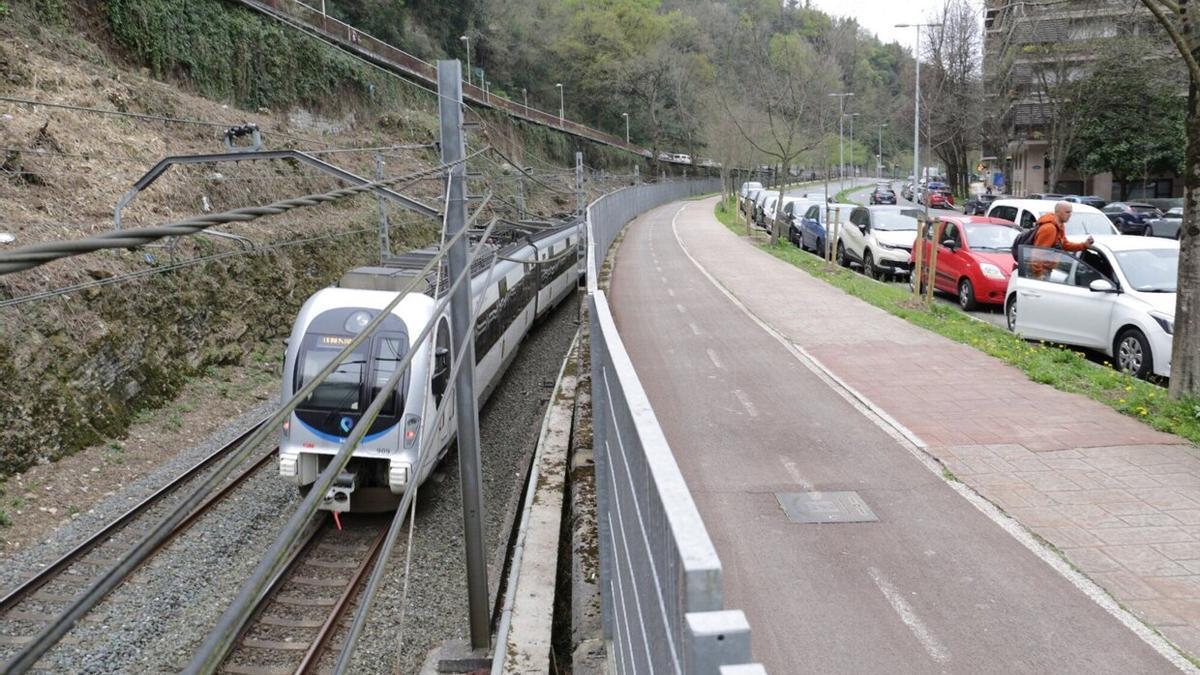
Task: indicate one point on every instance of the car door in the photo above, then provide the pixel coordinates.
(1055, 302)
(950, 260)
(810, 227)
(854, 234)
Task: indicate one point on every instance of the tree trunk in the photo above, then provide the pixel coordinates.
(1185, 361)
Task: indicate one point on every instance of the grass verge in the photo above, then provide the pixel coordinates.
(1064, 369)
(843, 197)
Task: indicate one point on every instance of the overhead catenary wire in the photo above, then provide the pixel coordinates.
(28, 257)
(220, 640)
(27, 657)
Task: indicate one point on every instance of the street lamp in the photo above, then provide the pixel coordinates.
(561, 104)
(467, 42)
(879, 162)
(841, 97)
(917, 100)
(853, 172)
(525, 95)
(626, 116)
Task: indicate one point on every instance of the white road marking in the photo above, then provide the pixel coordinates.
(694, 327)
(794, 472)
(670, 292)
(664, 279)
(932, 646)
(916, 447)
(745, 401)
(712, 356)
(681, 308)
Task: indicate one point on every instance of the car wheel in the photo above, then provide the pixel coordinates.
(1010, 313)
(1133, 354)
(966, 295)
(819, 249)
(869, 265)
(1148, 232)
(841, 255)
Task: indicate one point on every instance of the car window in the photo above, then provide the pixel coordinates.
(1008, 213)
(859, 217)
(951, 232)
(813, 213)
(1056, 267)
(1028, 220)
(990, 237)
(1095, 266)
(1089, 223)
(1154, 270)
(896, 220)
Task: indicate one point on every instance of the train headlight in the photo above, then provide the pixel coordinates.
(412, 424)
(357, 322)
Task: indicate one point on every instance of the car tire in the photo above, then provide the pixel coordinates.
(842, 258)
(1010, 313)
(1148, 232)
(1131, 354)
(966, 295)
(869, 265)
(819, 250)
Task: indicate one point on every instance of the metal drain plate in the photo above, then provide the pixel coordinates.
(825, 507)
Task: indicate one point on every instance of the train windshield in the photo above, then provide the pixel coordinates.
(339, 391)
(344, 394)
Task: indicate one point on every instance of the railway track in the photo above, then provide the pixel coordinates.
(31, 605)
(295, 621)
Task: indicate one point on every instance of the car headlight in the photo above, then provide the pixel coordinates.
(1166, 321)
(991, 271)
(886, 247)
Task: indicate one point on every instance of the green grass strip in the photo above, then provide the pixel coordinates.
(1064, 369)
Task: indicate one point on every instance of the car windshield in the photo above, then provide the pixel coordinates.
(1151, 270)
(894, 221)
(990, 237)
(1144, 208)
(1089, 223)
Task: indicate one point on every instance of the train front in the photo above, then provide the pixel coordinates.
(386, 462)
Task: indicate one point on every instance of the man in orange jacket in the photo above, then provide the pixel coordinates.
(1052, 233)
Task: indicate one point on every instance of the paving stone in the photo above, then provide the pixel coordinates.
(1142, 535)
(1144, 560)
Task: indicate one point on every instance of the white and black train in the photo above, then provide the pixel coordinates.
(511, 297)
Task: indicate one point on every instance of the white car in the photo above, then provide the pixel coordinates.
(1118, 297)
(1084, 220)
(747, 187)
(767, 212)
(880, 239)
(751, 199)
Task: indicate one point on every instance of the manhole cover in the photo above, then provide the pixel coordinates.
(825, 507)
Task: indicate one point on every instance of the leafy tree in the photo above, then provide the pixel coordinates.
(1132, 119)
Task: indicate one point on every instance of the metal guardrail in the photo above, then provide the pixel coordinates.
(382, 53)
(660, 577)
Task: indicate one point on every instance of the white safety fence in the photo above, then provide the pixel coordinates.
(660, 576)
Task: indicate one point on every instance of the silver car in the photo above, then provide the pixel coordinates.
(1167, 226)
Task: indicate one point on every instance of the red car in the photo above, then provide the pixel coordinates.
(974, 259)
(941, 200)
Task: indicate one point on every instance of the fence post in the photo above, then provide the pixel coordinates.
(454, 150)
(580, 200)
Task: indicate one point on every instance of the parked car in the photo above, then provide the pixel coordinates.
(766, 209)
(748, 201)
(1169, 225)
(1054, 196)
(1131, 217)
(811, 230)
(883, 196)
(978, 205)
(756, 214)
(1117, 297)
(1024, 212)
(1090, 200)
(781, 212)
(880, 240)
(906, 191)
(940, 199)
(974, 258)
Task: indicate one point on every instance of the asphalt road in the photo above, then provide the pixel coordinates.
(932, 586)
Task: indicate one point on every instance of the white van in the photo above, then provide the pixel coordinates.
(1084, 220)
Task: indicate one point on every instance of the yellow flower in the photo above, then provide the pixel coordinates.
(1129, 387)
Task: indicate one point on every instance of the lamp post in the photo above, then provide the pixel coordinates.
(467, 43)
(879, 162)
(917, 99)
(525, 96)
(853, 172)
(626, 116)
(841, 97)
(561, 104)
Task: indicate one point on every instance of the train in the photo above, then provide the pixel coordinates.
(533, 274)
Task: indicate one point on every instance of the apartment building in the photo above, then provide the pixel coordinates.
(1029, 47)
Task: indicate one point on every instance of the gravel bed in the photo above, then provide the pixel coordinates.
(156, 621)
(27, 562)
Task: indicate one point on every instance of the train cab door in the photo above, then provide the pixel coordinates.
(440, 381)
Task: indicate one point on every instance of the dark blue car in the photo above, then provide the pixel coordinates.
(811, 235)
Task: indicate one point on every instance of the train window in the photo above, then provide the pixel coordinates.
(441, 375)
(339, 391)
(388, 354)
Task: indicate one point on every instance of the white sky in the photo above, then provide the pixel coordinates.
(880, 16)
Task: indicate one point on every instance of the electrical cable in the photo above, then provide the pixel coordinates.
(34, 255)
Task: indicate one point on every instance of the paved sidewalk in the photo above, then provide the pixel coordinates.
(1120, 500)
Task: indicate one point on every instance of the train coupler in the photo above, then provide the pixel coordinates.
(338, 497)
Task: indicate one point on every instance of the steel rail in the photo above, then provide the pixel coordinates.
(31, 585)
(28, 656)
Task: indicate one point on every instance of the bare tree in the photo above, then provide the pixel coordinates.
(1181, 21)
(784, 88)
(955, 115)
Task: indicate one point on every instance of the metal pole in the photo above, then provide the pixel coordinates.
(626, 126)
(467, 41)
(385, 245)
(853, 172)
(580, 204)
(841, 148)
(525, 95)
(562, 106)
(462, 333)
(917, 120)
